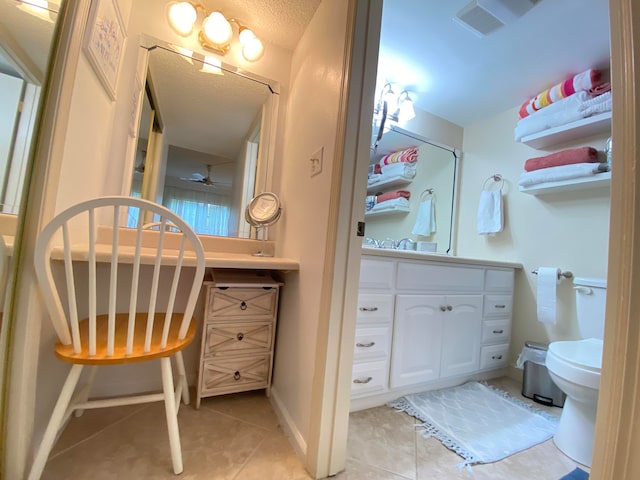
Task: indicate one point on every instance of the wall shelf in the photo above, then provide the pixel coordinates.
(395, 181)
(595, 181)
(571, 131)
(390, 210)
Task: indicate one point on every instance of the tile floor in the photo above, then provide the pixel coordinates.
(237, 437)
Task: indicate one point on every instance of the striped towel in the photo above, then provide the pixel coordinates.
(583, 81)
(409, 155)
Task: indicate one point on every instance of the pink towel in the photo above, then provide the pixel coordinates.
(395, 194)
(563, 157)
(599, 89)
(409, 155)
(583, 81)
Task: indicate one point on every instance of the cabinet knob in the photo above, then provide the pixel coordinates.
(443, 308)
(365, 380)
(365, 345)
(500, 306)
(236, 376)
(243, 305)
(496, 357)
(498, 332)
(368, 309)
(449, 307)
(240, 336)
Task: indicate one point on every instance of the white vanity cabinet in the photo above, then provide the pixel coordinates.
(423, 323)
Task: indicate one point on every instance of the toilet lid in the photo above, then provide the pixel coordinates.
(585, 354)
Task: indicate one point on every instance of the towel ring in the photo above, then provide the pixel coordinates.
(428, 191)
(496, 177)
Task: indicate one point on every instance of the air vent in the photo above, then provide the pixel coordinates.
(484, 16)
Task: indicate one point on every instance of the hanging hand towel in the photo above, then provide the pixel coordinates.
(490, 218)
(426, 219)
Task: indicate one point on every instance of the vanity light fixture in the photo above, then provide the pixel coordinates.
(216, 32)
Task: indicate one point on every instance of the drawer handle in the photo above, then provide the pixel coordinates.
(368, 309)
(443, 308)
(498, 332)
(366, 380)
(449, 307)
(240, 336)
(496, 357)
(365, 345)
(500, 306)
(236, 376)
(243, 305)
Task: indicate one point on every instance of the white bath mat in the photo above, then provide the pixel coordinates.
(480, 423)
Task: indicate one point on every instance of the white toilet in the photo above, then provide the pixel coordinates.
(574, 366)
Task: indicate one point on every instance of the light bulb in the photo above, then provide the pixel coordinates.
(252, 47)
(182, 16)
(217, 29)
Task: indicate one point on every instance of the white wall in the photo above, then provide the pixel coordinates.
(568, 230)
(312, 118)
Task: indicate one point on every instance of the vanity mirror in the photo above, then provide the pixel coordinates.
(205, 139)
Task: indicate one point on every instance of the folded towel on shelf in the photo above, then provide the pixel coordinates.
(370, 202)
(582, 81)
(426, 218)
(394, 202)
(374, 178)
(600, 89)
(405, 169)
(490, 216)
(563, 157)
(575, 107)
(383, 197)
(408, 155)
(557, 174)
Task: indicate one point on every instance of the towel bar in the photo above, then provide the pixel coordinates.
(566, 274)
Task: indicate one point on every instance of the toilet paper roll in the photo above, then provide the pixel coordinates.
(548, 279)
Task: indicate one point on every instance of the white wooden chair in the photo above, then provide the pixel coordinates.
(145, 327)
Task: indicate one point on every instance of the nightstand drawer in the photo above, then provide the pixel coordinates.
(238, 337)
(231, 374)
(496, 331)
(239, 303)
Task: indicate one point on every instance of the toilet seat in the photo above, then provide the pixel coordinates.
(577, 361)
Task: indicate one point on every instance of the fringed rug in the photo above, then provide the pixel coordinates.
(480, 423)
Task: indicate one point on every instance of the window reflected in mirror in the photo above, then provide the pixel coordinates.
(203, 135)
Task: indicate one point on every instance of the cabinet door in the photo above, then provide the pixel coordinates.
(417, 339)
(462, 335)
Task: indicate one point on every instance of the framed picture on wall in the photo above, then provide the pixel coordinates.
(104, 42)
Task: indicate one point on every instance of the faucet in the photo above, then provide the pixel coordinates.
(406, 244)
(373, 242)
(389, 243)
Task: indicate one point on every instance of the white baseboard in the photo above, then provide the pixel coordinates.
(288, 425)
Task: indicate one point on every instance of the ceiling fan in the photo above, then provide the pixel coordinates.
(208, 181)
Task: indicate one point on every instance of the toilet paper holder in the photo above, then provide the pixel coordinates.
(566, 274)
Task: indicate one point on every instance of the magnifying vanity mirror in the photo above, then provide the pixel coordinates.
(204, 139)
(263, 210)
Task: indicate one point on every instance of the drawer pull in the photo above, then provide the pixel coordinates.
(236, 376)
(240, 336)
(365, 345)
(243, 305)
(498, 332)
(366, 380)
(449, 307)
(368, 309)
(500, 306)
(496, 357)
(443, 308)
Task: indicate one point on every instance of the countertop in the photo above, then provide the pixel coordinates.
(436, 257)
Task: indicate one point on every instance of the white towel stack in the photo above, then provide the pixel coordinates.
(426, 219)
(490, 217)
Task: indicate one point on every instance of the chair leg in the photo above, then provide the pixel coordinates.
(183, 378)
(57, 418)
(172, 417)
(86, 389)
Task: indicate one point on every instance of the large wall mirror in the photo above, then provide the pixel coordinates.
(204, 139)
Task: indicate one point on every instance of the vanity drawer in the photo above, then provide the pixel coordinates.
(372, 342)
(494, 356)
(241, 303)
(255, 337)
(233, 374)
(497, 305)
(368, 378)
(496, 331)
(374, 308)
(498, 280)
(377, 274)
(423, 276)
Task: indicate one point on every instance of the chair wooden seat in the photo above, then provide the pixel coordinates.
(76, 286)
(119, 356)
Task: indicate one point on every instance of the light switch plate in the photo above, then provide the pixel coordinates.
(316, 162)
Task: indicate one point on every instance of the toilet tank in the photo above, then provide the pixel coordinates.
(590, 305)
